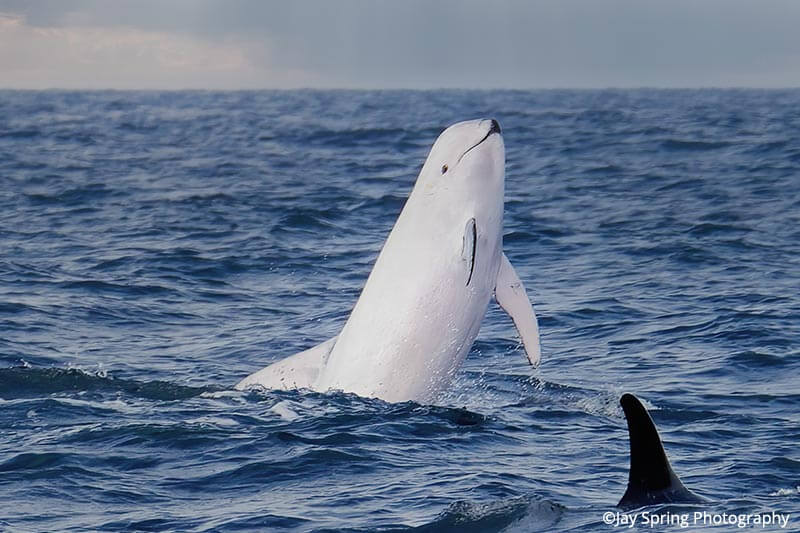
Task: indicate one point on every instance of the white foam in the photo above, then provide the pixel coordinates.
(282, 410)
(786, 492)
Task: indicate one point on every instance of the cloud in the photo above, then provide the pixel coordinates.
(408, 43)
(85, 56)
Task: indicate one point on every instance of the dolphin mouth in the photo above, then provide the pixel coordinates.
(495, 128)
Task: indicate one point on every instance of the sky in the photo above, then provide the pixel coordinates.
(523, 44)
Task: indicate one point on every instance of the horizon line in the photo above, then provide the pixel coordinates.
(415, 89)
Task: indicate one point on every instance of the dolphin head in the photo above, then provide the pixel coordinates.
(464, 174)
(467, 158)
(457, 202)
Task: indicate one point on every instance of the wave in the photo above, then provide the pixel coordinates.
(517, 514)
(687, 145)
(26, 382)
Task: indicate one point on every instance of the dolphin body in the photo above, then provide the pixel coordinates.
(651, 479)
(423, 303)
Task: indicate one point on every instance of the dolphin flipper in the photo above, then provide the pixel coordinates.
(510, 294)
(299, 371)
(651, 479)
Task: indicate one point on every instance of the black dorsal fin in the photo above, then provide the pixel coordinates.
(651, 479)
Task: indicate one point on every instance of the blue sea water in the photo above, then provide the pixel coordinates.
(156, 247)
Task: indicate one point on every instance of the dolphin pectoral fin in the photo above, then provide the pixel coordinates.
(298, 371)
(510, 294)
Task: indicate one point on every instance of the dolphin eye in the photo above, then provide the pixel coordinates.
(444, 169)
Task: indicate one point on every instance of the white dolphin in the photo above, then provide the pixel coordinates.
(425, 299)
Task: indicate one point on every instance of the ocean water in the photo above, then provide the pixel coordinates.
(155, 248)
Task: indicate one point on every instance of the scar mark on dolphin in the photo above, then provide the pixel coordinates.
(469, 246)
